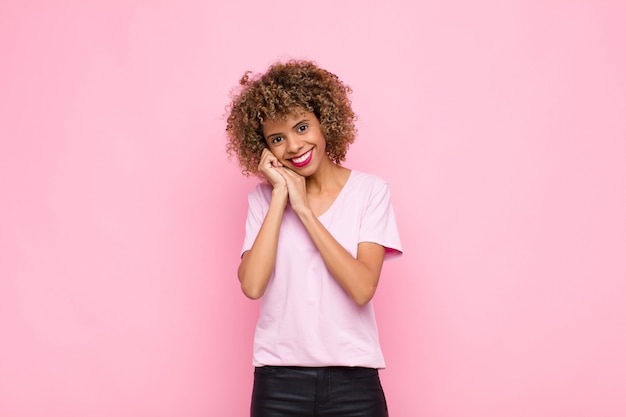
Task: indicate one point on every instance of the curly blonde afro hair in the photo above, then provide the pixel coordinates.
(282, 89)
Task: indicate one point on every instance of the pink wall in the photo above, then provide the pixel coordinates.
(500, 126)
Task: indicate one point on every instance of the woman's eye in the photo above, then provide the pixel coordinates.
(302, 128)
(277, 139)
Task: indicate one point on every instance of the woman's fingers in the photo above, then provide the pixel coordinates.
(296, 186)
(268, 165)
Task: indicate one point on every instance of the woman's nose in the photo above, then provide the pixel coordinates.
(294, 144)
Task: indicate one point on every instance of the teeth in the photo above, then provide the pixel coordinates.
(301, 158)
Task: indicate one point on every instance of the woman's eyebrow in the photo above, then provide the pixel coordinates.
(293, 127)
(299, 123)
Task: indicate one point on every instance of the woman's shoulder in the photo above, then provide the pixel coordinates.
(261, 187)
(367, 180)
(261, 191)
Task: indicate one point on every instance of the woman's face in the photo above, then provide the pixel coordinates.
(297, 141)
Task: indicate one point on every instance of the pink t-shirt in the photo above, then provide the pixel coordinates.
(306, 318)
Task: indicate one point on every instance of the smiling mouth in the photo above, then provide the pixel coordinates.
(303, 159)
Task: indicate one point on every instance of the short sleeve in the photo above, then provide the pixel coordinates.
(378, 222)
(254, 219)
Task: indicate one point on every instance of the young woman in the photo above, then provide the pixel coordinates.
(316, 237)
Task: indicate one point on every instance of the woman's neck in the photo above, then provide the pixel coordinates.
(328, 177)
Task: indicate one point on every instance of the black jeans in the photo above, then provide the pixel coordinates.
(286, 391)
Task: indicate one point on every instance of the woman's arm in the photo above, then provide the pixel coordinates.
(257, 264)
(357, 276)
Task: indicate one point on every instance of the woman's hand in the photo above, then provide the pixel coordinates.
(269, 166)
(296, 187)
